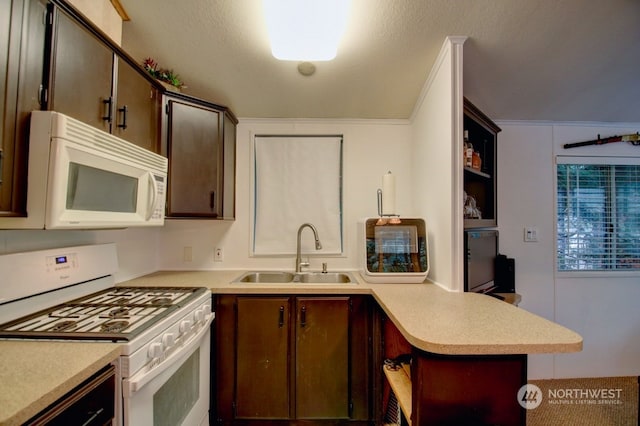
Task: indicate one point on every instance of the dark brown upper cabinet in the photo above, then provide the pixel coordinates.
(22, 37)
(200, 144)
(93, 81)
(480, 207)
(137, 106)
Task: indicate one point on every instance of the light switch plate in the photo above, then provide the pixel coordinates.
(531, 234)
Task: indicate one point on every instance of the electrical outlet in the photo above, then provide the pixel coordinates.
(218, 255)
(187, 254)
(531, 234)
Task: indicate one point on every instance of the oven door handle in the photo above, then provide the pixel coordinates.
(140, 379)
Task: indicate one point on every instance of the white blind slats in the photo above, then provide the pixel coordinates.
(598, 216)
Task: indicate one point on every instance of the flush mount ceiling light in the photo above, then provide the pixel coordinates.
(305, 30)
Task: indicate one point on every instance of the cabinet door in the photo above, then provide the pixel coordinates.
(137, 108)
(322, 357)
(194, 152)
(229, 168)
(262, 362)
(81, 74)
(22, 36)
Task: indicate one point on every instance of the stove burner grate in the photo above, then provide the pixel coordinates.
(160, 301)
(119, 313)
(114, 326)
(64, 326)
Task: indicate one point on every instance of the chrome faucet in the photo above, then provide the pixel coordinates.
(299, 263)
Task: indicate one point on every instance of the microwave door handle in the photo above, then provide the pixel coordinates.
(154, 199)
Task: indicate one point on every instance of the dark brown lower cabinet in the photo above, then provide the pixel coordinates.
(293, 359)
(468, 390)
(322, 358)
(262, 377)
(460, 389)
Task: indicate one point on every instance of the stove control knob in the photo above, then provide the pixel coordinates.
(155, 350)
(206, 309)
(168, 340)
(199, 315)
(185, 326)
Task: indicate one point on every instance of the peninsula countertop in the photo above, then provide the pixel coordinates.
(35, 374)
(429, 317)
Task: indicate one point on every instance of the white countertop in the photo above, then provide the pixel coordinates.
(429, 317)
(35, 374)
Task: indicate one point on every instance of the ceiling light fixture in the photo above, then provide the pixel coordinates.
(305, 30)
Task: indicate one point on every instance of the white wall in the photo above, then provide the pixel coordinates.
(371, 148)
(103, 15)
(604, 311)
(137, 248)
(436, 165)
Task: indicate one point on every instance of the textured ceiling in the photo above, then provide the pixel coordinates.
(569, 60)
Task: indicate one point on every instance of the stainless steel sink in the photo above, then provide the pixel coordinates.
(325, 277)
(266, 277)
(280, 277)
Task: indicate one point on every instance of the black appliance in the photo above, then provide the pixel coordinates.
(481, 250)
(505, 280)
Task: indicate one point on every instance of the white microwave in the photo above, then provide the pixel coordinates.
(80, 177)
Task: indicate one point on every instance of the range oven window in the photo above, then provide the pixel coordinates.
(176, 398)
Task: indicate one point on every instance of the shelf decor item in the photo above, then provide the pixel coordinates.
(168, 78)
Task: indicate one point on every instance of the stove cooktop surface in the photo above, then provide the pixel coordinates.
(116, 314)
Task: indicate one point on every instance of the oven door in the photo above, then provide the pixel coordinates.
(175, 391)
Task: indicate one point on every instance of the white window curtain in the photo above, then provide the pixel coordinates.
(297, 179)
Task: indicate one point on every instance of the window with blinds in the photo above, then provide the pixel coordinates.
(598, 215)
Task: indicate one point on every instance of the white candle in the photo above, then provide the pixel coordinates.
(388, 194)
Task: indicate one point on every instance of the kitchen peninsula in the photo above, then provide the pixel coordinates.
(476, 341)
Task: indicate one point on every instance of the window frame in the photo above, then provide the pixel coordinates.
(587, 160)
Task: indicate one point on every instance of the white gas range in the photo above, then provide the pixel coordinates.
(69, 293)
